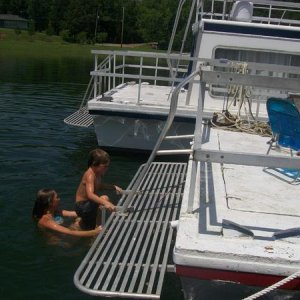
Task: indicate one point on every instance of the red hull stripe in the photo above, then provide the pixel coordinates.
(238, 277)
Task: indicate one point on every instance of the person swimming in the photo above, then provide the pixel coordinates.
(46, 211)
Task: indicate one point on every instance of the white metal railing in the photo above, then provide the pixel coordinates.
(264, 11)
(122, 66)
(198, 155)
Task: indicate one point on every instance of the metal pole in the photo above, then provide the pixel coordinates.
(122, 31)
(96, 26)
(169, 121)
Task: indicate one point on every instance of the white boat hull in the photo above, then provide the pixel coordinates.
(138, 133)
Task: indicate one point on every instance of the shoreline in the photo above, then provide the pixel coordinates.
(41, 45)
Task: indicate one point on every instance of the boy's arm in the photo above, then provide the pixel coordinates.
(90, 192)
(105, 186)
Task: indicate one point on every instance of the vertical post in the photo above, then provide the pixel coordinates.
(114, 72)
(122, 30)
(224, 9)
(156, 66)
(123, 69)
(199, 117)
(140, 79)
(197, 145)
(95, 78)
(96, 25)
(212, 9)
(109, 70)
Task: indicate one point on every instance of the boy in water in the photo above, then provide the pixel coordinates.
(87, 201)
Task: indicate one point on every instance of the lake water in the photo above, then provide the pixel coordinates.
(39, 150)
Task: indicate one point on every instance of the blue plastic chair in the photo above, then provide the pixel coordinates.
(284, 119)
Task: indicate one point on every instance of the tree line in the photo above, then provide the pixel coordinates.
(99, 21)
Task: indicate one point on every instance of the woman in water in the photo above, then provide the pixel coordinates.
(46, 212)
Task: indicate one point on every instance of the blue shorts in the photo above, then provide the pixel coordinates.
(87, 211)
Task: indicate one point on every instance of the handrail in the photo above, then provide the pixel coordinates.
(260, 7)
(207, 61)
(89, 90)
(171, 115)
(117, 71)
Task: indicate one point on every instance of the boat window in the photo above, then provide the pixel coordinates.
(242, 55)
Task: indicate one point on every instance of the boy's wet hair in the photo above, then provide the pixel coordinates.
(98, 157)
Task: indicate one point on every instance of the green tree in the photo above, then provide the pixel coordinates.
(155, 20)
(38, 10)
(15, 7)
(81, 17)
(131, 32)
(76, 20)
(57, 14)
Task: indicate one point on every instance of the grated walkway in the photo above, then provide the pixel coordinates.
(131, 255)
(80, 118)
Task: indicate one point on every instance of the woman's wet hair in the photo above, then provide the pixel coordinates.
(98, 157)
(42, 202)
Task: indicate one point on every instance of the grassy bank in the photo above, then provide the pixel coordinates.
(41, 45)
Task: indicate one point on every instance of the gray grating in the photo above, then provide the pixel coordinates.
(80, 118)
(130, 256)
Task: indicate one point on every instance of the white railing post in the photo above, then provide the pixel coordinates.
(156, 66)
(192, 186)
(140, 79)
(197, 145)
(123, 69)
(95, 78)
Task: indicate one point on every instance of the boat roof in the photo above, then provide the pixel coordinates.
(262, 26)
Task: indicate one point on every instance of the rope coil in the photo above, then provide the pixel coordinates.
(240, 95)
(227, 121)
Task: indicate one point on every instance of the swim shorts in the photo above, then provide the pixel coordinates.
(87, 211)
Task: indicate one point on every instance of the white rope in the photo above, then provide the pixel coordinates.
(240, 96)
(239, 93)
(274, 286)
(233, 123)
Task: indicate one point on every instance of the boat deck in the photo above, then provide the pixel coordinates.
(144, 98)
(155, 100)
(131, 255)
(261, 201)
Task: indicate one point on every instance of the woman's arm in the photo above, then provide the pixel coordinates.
(69, 213)
(48, 223)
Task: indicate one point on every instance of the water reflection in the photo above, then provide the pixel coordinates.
(47, 70)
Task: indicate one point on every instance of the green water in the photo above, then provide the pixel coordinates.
(39, 150)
